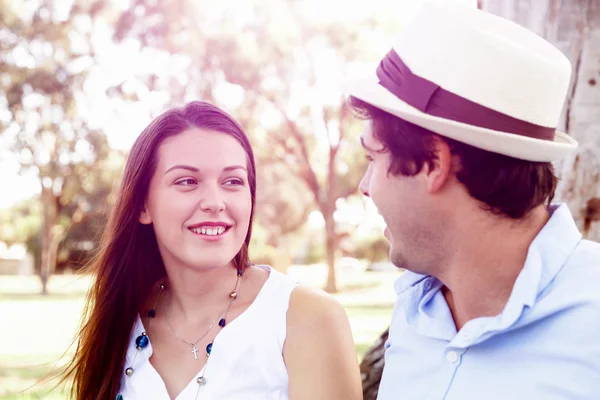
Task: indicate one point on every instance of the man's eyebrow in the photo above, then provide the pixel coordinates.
(362, 142)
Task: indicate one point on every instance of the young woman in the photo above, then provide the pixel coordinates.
(177, 311)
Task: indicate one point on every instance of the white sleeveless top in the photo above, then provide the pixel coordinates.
(246, 361)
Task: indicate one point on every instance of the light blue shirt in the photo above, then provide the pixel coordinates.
(544, 345)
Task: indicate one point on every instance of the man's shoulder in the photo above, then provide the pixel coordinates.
(575, 289)
(582, 268)
(587, 253)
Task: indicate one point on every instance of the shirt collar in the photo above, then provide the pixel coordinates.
(407, 280)
(547, 254)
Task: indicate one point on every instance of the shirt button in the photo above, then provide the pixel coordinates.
(427, 285)
(452, 357)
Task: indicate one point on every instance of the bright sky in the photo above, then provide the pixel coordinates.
(122, 121)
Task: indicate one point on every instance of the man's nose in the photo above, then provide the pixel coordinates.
(364, 186)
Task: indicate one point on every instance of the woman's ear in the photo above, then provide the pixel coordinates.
(145, 217)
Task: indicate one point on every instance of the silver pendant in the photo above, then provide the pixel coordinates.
(195, 350)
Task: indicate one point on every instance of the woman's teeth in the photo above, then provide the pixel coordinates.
(209, 231)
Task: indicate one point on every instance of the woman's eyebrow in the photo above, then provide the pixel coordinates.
(194, 169)
(186, 167)
(232, 167)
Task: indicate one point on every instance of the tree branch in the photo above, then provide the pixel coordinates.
(344, 115)
(306, 172)
(294, 226)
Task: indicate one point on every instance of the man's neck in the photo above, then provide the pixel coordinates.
(488, 257)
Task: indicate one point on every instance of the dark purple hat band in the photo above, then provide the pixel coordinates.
(431, 99)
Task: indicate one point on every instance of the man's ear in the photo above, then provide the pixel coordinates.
(145, 217)
(439, 172)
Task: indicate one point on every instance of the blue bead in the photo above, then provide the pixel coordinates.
(152, 313)
(119, 396)
(239, 272)
(209, 348)
(222, 322)
(142, 341)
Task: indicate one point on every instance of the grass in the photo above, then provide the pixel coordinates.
(22, 380)
(35, 330)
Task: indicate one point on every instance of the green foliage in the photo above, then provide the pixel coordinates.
(19, 223)
(315, 252)
(374, 249)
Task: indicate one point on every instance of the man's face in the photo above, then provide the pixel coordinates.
(403, 202)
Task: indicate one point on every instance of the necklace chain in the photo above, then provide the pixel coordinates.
(192, 344)
(237, 288)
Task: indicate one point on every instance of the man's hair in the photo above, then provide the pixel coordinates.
(504, 185)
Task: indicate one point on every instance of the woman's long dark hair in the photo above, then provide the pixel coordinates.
(128, 262)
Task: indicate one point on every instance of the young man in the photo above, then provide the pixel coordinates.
(501, 298)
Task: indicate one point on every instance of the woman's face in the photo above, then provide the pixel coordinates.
(199, 199)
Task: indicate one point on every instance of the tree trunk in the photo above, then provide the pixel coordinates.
(574, 27)
(371, 368)
(330, 248)
(331, 244)
(50, 239)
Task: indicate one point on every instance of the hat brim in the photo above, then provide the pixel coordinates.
(370, 91)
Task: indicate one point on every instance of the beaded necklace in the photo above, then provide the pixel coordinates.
(142, 341)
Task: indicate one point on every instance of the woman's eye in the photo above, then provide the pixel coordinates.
(368, 157)
(234, 182)
(185, 182)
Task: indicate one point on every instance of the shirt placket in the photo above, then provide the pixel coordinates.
(451, 360)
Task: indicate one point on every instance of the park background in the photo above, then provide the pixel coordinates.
(80, 79)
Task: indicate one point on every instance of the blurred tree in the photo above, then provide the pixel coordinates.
(314, 252)
(574, 27)
(20, 222)
(83, 221)
(279, 68)
(374, 249)
(45, 53)
(283, 205)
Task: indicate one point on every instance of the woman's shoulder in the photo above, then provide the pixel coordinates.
(319, 349)
(310, 305)
(306, 305)
(264, 275)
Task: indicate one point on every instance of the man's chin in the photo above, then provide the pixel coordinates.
(398, 259)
